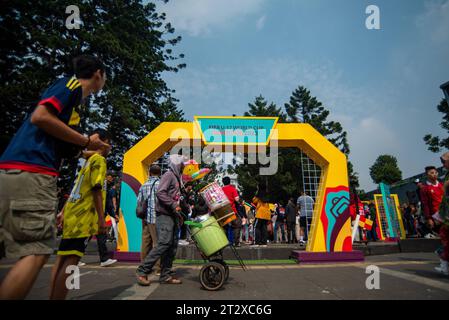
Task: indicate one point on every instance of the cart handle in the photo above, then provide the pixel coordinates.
(193, 224)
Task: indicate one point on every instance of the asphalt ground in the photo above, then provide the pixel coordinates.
(403, 276)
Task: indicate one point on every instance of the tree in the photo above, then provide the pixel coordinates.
(385, 169)
(290, 176)
(435, 143)
(353, 176)
(280, 186)
(261, 108)
(307, 109)
(130, 36)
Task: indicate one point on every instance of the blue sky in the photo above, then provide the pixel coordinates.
(382, 85)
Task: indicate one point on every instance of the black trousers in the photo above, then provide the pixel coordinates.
(261, 232)
(236, 226)
(102, 248)
(291, 232)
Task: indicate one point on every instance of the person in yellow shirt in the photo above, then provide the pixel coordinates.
(83, 215)
(263, 215)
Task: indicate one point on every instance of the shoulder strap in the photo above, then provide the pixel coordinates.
(152, 186)
(151, 190)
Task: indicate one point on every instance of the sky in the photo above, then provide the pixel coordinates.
(382, 85)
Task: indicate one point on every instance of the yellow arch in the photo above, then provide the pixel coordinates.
(331, 227)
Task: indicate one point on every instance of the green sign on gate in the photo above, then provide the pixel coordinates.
(236, 130)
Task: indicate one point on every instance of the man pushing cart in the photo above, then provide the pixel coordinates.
(210, 239)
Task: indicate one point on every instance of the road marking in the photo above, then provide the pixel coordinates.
(415, 278)
(83, 274)
(412, 277)
(138, 292)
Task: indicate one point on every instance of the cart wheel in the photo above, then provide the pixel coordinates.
(226, 267)
(212, 276)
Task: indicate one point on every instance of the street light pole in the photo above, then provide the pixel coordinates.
(445, 88)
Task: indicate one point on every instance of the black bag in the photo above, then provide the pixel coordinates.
(142, 209)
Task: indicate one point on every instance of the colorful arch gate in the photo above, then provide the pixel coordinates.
(331, 225)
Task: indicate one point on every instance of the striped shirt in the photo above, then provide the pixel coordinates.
(148, 191)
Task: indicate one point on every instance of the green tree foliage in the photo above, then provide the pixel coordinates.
(305, 108)
(385, 169)
(134, 41)
(435, 143)
(353, 176)
(286, 182)
(261, 108)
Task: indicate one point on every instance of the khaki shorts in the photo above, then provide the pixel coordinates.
(28, 205)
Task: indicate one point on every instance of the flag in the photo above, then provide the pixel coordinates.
(365, 223)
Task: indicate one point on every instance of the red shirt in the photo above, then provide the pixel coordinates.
(231, 193)
(431, 197)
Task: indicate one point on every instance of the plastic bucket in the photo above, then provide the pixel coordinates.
(210, 238)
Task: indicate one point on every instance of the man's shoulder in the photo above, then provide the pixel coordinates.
(151, 182)
(96, 159)
(64, 86)
(428, 187)
(168, 178)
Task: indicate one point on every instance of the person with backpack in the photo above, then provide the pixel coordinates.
(168, 221)
(147, 212)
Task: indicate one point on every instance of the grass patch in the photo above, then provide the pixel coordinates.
(235, 262)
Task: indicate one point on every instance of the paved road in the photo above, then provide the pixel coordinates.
(402, 276)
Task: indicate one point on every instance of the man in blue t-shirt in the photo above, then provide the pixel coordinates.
(29, 169)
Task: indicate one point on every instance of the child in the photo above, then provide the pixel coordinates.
(83, 216)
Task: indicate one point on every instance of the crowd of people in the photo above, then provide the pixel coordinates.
(164, 202)
(256, 222)
(417, 215)
(427, 217)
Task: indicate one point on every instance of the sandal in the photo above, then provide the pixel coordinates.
(143, 280)
(172, 280)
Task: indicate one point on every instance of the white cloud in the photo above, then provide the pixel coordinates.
(201, 17)
(261, 22)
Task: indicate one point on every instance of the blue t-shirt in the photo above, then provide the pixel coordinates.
(109, 203)
(34, 150)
